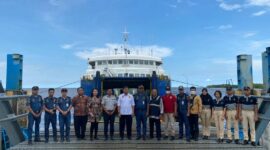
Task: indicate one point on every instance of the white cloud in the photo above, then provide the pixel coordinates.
(224, 27)
(249, 34)
(259, 13)
(229, 7)
(259, 2)
(68, 46)
(110, 47)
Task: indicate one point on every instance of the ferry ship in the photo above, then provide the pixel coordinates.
(122, 66)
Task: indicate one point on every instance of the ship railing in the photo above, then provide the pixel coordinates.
(13, 114)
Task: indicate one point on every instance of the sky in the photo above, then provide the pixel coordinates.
(197, 39)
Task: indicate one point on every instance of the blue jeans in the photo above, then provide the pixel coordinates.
(141, 118)
(64, 121)
(50, 119)
(108, 121)
(31, 121)
(183, 121)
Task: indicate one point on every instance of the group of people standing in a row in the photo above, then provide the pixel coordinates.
(186, 108)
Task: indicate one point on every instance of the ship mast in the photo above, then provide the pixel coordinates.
(126, 50)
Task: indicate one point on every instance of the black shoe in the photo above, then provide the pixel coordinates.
(151, 137)
(172, 138)
(188, 140)
(46, 141)
(218, 140)
(91, 139)
(236, 141)
(112, 138)
(245, 142)
(129, 138)
(68, 140)
(196, 139)
(180, 137)
(138, 138)
(229, 141)
(221, 140)
(30, 143)
(206, 137)
(106, 139)
(158, 139)
(253, 143)
(122, 139)
(96, 138)
(165, 137)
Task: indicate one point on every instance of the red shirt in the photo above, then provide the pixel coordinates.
(169, 101)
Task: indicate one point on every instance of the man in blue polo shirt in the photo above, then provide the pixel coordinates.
(35, 105)
(249, 114)
(64, 106)
(141, 100)
(50, 115)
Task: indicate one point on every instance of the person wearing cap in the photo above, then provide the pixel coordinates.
(141, 100)
(170, 112)
(35, 107)
(195, 109)
(80, 105)
(218, 112)
(64, 106)
(183, 109)
(207, 104)
(232, 114)
(109, 104)
(50, 115)
(155, 110)
(248, 114)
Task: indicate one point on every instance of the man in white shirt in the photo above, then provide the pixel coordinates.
(126, 112)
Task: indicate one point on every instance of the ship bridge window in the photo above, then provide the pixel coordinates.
(141, 62)
(130, 61)
(137, 75)
(104, 62)
(146, 62)
(151, 62)
(120, 61)
(114, 61)
(136, 62)
(110, 62)
(120, 75)
(142, 75)
(99, 62)
(131, 75)
(125, 61)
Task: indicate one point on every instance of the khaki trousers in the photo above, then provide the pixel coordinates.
(219, 123)
(231, 119)
(169, 121)
(206, 120)
(248, 121)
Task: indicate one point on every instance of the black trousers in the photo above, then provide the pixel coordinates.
(194, 126)
(155, 122)
(80, 126)
(94, 127)
(125, 121)
(108, 121)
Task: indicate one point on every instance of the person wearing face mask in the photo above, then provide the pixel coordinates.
(195, 109)
(207, 104)
(170, 112)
